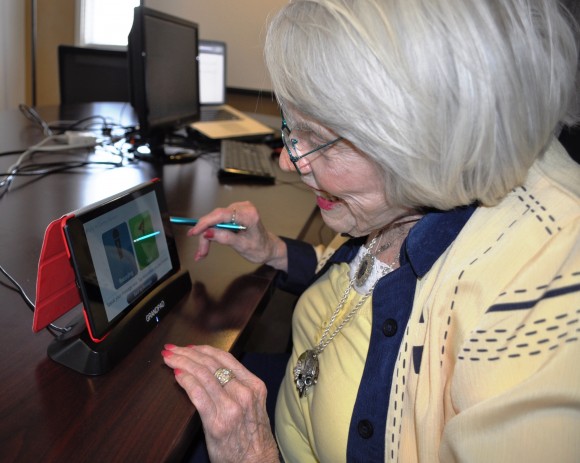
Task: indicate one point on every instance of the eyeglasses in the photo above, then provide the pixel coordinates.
(291, 145)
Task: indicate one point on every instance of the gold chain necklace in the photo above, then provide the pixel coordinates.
(307, 369)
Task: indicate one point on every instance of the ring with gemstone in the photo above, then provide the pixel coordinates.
(224, 375)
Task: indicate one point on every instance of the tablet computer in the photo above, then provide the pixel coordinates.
(121, 249)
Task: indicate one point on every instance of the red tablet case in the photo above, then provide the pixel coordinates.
(56, 289)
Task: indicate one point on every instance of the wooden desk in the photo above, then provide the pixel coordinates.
(136, 412)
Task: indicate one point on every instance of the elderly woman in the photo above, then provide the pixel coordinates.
(447, 327)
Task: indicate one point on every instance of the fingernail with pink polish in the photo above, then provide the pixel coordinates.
(166, 353)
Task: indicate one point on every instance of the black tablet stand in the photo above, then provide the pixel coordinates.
(76, 350)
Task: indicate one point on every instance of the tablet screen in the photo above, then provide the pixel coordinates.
(121, 249)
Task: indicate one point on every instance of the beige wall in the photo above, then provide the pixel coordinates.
(12, 53)
(55, 26)
(242, 25)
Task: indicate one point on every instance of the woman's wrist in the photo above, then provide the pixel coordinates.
(278, 254)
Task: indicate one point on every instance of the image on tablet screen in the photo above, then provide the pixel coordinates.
(129, 252)
(119, 250)
(146, 250)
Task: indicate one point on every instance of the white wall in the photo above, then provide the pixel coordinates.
(12, 53)
(241, 24)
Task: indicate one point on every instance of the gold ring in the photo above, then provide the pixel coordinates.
(233, 219)
(224, 375)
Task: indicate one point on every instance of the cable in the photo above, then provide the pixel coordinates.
(11, 153)
(19, 168)
(56, 167)
(52, 169)
(52, 328)
(105, 127)
(18, 288)
(76, 125)
(5, 184)
(32, 115)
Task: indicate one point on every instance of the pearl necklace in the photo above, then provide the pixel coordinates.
(307, 369)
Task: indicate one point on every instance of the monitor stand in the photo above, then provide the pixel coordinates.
(165, 154)
(76, 350)
(157, 148)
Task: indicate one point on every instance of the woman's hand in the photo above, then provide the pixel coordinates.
(234, 417)
(255, 243)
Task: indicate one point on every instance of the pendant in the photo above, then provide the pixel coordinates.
(306, 371)
(364, 270)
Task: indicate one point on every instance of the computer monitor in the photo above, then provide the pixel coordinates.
(164, 80)
(92, 74)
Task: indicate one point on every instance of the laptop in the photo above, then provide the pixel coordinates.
(219, 120)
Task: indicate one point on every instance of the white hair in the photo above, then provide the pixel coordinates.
(454, 99)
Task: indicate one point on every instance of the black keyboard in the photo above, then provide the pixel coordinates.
(246, 162)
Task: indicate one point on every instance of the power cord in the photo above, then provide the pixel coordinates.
(52, 328)
(13, 169)
(69, 141)
(32, 115)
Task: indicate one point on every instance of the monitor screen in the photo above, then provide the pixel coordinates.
(212, 72)
(92, 74)
(164, 77)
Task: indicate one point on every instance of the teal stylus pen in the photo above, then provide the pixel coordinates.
(192, 222)
(145, 237)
